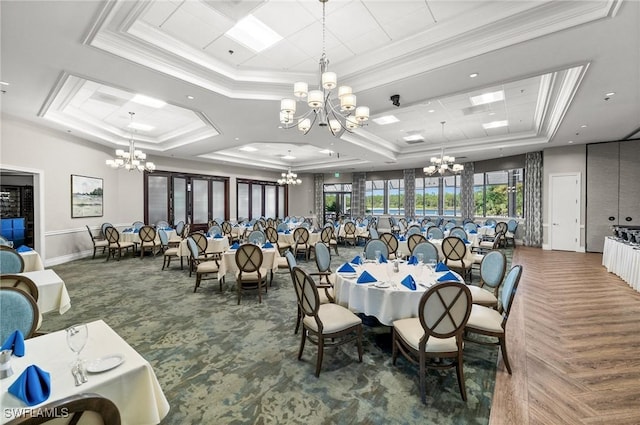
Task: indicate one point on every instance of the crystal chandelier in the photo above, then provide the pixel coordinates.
(289, 178)
(337, 114)
(133, 159)
(445, 164)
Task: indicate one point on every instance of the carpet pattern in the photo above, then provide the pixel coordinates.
(223, 363)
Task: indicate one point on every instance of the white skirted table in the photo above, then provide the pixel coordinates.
(213, 245)
(52, 292)
(622, 259)
(132, 386)
(32, 261)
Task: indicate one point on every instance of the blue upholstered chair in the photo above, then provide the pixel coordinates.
(458, 232)
(428, 250)
(10, 261)
(435, 233)
(18, 311)
(492, 269)
(375, 245)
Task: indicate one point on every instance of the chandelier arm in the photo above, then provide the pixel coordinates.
(315, 117)
(343, 127)
(294, 120)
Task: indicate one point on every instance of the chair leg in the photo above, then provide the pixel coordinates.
(320, 354)
(198, 277)
(394, 347)
(360, 344)
(460, 372)
(303, 339)
(298, 320)
(422, 378)
(94, 252)
(505, 357)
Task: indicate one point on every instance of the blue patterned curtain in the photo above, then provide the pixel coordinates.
(467, 201)
(318, 197)
(533, 199)
(410, 192)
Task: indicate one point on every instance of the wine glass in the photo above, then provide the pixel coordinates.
(400, 254)
(377, 254)
(77, 338)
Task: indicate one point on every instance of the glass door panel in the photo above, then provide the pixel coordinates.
(218, 198)
(200, 196)
(179, 200)
(158, 199)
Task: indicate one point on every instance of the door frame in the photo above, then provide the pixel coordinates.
(578, 247)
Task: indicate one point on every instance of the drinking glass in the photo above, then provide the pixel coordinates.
(378, 253)
(399, 254)
(420, 258)
(77, 338)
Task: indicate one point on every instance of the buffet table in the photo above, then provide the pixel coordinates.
(623, 259)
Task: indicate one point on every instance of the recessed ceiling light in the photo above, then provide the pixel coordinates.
(3, 83)
(583, 126)
(431, 111)
(237, 138)
(140, 126)
(473, 75)
(190, 97)
(611, 93)
(570, 141)
(326, 151)
(148, 101)
(495, 124)
(485, 98)
(413, 137)
(253, 33)
(248, 149)
(387, 119)
(288, 157)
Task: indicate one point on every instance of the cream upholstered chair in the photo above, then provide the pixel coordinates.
(350, 233)
(80, 409)
(301, 242)
(414, 240)
(328, 237)
(437, 334)
(202, 266)
(98, 242)
(168, 251)
(492, 270)
(454, 251)
(18, 311)
(148, 241)
(325, 324)
(493, 323)
(250, 274)
(115, 245)
(392, 243)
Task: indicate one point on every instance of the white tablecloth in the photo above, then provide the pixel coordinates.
(213, 245)
(284, 238)
(361, 231)
(32, 261)
(622, 259)
(228, 262)
(52, 292)
(135, 237)
(468, 259)
(132, 386)
(386, 304)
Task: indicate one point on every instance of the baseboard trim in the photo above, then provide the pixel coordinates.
(546, 247)
(50, 262)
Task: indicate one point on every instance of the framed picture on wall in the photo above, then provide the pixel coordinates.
(86, 196)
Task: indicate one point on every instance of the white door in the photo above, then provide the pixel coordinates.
(565, 211)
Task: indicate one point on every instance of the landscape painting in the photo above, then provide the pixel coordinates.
(86, 196)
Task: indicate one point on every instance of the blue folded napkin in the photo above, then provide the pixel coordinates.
(402, 238)
(15, 343)
(412, 260)
(466, 241)
(136, 230)
(360, 225)
(218, 236)
(267, 245)
(346, 268)
(287, 232)
(128, 229)
(23, 248)
(409, 282)
(447, 276)
(473, 231)
(33, 386)
(356, 260)
(366, 277)
(235, 246)
(442, 267)
(208, 235)
(168, 228)
(382, 258)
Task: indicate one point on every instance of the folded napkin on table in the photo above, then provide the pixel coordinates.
(361, 225)
(235, 246)
(217, 236)
(473, 231)
(412, 260)
(356, 260)
(136, 230)
(442, 267)
(268, 245)
(382, 258)
(128, 229)
(448, 276)
(346, 268)
(23, 248)
(466, 241)
(286, 232)
(33, 386)
(409, 282)
(366, 277)
(236, 225)
(402, 238)
(15, 343)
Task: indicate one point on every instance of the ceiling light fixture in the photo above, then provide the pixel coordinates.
(485, 98)
(495, 124)
(148, 101)
(337, 114)
(445, 165)
(289, 178)
(133, 159)
(473, 75)
(384, 120)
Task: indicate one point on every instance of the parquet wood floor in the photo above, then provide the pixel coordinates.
(574, 345)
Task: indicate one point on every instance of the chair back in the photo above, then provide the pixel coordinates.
(373, 233)
(349, 229)
(301, 235)
(490, 222)
(501, 227)
(413, 230)
(162, 224)
(164, 238)
(93, 238)
(458, 232)
(5, 242)
(257, 237)
(470, 226)
(227, 228)
(186, 231)
(249, 258)
(103, 228)
(429, 225)
(450, 225)
(201, 241)
(111, 234)
(137, 225)
(453, 249)
(326, 235)
(215, 230)
(282, 227)
(20, 282)
(306, 293)
(96, 409)
(391, 241)
(10, 261)
(18, 311)
(179, 228)
(193, 248)
(509, 288)
(375, 245)
(435, 232)
(147, 234)
(323, 257)
(414, 240)
(492, 268)
(428, 250)
(272, 234)
(512, 226)
(444, 311)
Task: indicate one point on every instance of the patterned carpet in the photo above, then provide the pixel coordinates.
(220, 363)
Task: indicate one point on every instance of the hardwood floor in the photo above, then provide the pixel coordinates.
(574, 344)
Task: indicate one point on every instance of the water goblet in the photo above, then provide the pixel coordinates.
(420, 258)
(378, 253)
(77, 336)
(400, 254)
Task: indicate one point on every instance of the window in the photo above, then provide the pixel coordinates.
(337, 201)
(395, 197)
(499, 193)
(260, 199)
(374, 197)
(427, 190)
(451, 195)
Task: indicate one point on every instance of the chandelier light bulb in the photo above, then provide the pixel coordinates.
(329, 80)
(304, 125)
(362, 113)
(348, 102)
(315, 99)
(344, 90)
(288, 106)
(300, 89)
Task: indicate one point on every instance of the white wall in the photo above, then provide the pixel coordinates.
(565, 159)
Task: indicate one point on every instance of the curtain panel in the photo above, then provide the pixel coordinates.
(467, 200)
(533, 199)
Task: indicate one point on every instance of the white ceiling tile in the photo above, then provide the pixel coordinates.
(282, 56)
(196, 24)
(273, 12)
(220, 47)
(158, 12)
(309, 40)
(235, 9)
(447, 9)
(408, 25)
(351, 21)
(368, 41)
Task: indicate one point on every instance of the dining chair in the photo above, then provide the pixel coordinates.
(350, 234)
(257, 237)
(202, 243)
(202, 266)
(373, 246)
(454, 251)
(115, 245)
(282, 227)
(168, 252)
(392, 243)
(428, 250)
(272, 236)
(25, 284)
(10, 260)
(490, 222)
(98, 242)
(413, 230)
(103, 228)
(434, 232)
(323, 263)
(373, 233)
(487, 321)
(147, 235)
(510, 234)
(214, 230)
(137, 225)
(18, 311)
(5, 242)
(328, 237)
(250, 275)
(414, 240)
(227, 231)
(179, 228)
(471, 226)
(492, 270)
(501, 230)
(96, 409)
(325, 324)
(301, 242)
(162, 224)
(458, 232)
(434, 340)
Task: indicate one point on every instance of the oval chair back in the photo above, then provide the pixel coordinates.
(373, 233)
(179, 228)
(435, 232)
(282, 227)
(492, 270)
(201, 241)
(271, 234)
(428, 250)
(323, 257)
(137, 225)
(470, 227)
(164, 238)
(375, 245)
(18, 311)
(458, 232)
(453, 249)
(509, 288)
(215, 230)
(413, 230)
(20, 282)
(257, 237)
(391, 241)
(11, 261)
(414, 240)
